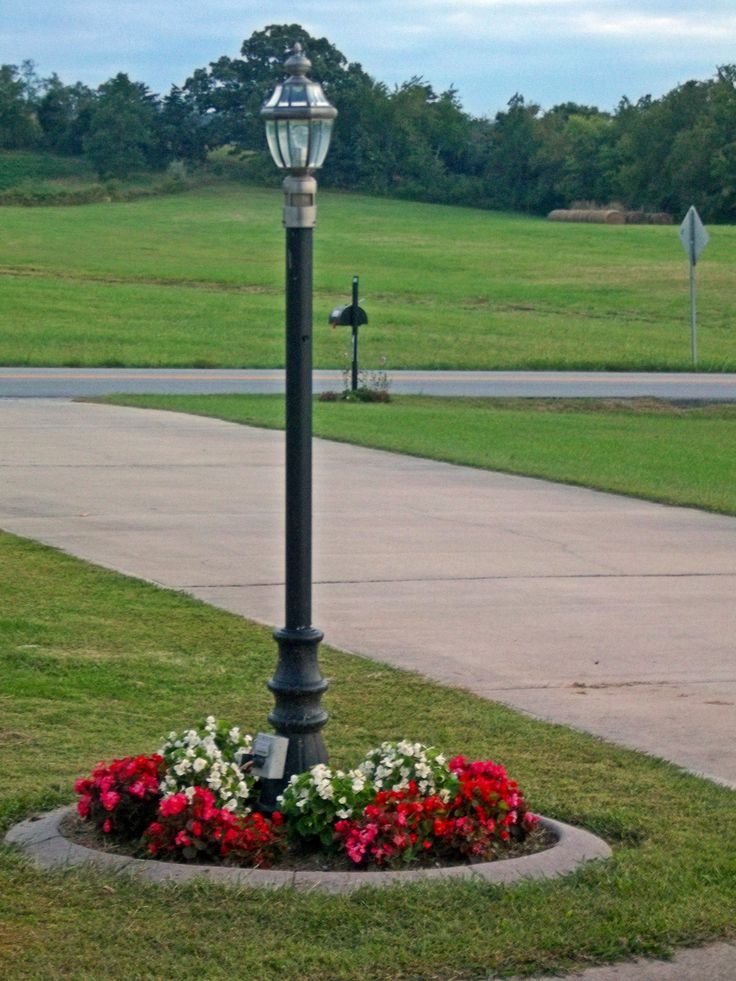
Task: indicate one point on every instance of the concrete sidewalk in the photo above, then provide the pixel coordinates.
(609, 614)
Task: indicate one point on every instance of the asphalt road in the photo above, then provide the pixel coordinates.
(76, 382)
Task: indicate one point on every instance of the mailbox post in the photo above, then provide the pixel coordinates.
(354, 316)
(354, 325)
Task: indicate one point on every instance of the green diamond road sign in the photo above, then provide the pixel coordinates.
(693, 235)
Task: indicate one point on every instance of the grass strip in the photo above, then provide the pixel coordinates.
(198, 279)
(95, 665)
(677, 454)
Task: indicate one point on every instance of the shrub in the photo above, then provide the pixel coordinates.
(485, 815)
(392, 766)
(315, 800)
(194, 829)
(122, 797)
(196, 800)
(209, 756)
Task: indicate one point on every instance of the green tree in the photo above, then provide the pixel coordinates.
(64, 113)
(512, 169)
(123, 135)
(183, 129)
(18, 124)
(233, 90)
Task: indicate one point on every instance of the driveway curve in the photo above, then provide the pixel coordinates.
(606, 613)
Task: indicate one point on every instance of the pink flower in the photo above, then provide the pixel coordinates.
(107, 826)
(110, 800)
(183, 839)
(137, 789)
(173, 805)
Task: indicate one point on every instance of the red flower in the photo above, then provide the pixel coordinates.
(110, 800)
(122, 796)
(173, 805)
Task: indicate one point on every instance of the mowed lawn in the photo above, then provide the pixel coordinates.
(677, 454)
(95, 665)
(197, 280)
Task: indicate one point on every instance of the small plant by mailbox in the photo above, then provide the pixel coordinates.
(354, 316)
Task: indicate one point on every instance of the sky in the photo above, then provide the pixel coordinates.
(550, 51)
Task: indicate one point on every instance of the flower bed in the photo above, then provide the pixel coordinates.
(405, 805)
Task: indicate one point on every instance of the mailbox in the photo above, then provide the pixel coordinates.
(343, 316)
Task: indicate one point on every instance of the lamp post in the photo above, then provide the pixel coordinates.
(298, 128)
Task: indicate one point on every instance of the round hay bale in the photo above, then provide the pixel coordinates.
(601, 216)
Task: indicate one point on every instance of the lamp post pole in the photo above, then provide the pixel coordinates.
(298, 121)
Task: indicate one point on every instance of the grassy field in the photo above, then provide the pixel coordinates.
(96, 665)
(641, 447)
(24, 168)
(197, 280)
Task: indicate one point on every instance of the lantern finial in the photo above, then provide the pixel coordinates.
(297, 63)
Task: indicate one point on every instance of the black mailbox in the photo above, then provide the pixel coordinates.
(343, 317)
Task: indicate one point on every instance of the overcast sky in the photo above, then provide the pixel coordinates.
(550, 51)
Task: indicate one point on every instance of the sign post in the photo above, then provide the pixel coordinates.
(694, 239)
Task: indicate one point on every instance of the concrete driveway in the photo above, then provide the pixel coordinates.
(603, 612)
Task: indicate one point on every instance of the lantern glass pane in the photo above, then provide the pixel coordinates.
(297, 95)
(321, 140)
(273, 143)
(299, 143)
(275, 97)
(282, 134)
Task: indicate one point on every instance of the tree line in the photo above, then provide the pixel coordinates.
(408, 141)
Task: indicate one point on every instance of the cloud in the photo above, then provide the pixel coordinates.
(552, 50)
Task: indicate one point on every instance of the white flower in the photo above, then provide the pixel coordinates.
(234, 733)
(199, 764)
(345, 812)
(181, 768)
(230, 805)
(189, 791)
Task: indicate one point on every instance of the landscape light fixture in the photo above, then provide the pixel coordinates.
(298, 128)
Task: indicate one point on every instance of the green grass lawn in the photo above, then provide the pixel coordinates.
(23, 168)
(96, 665)
(197, 280)
(641, 447)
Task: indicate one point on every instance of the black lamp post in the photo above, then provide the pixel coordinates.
(298, 128)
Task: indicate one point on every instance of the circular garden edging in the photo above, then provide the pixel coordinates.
(41, 838)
